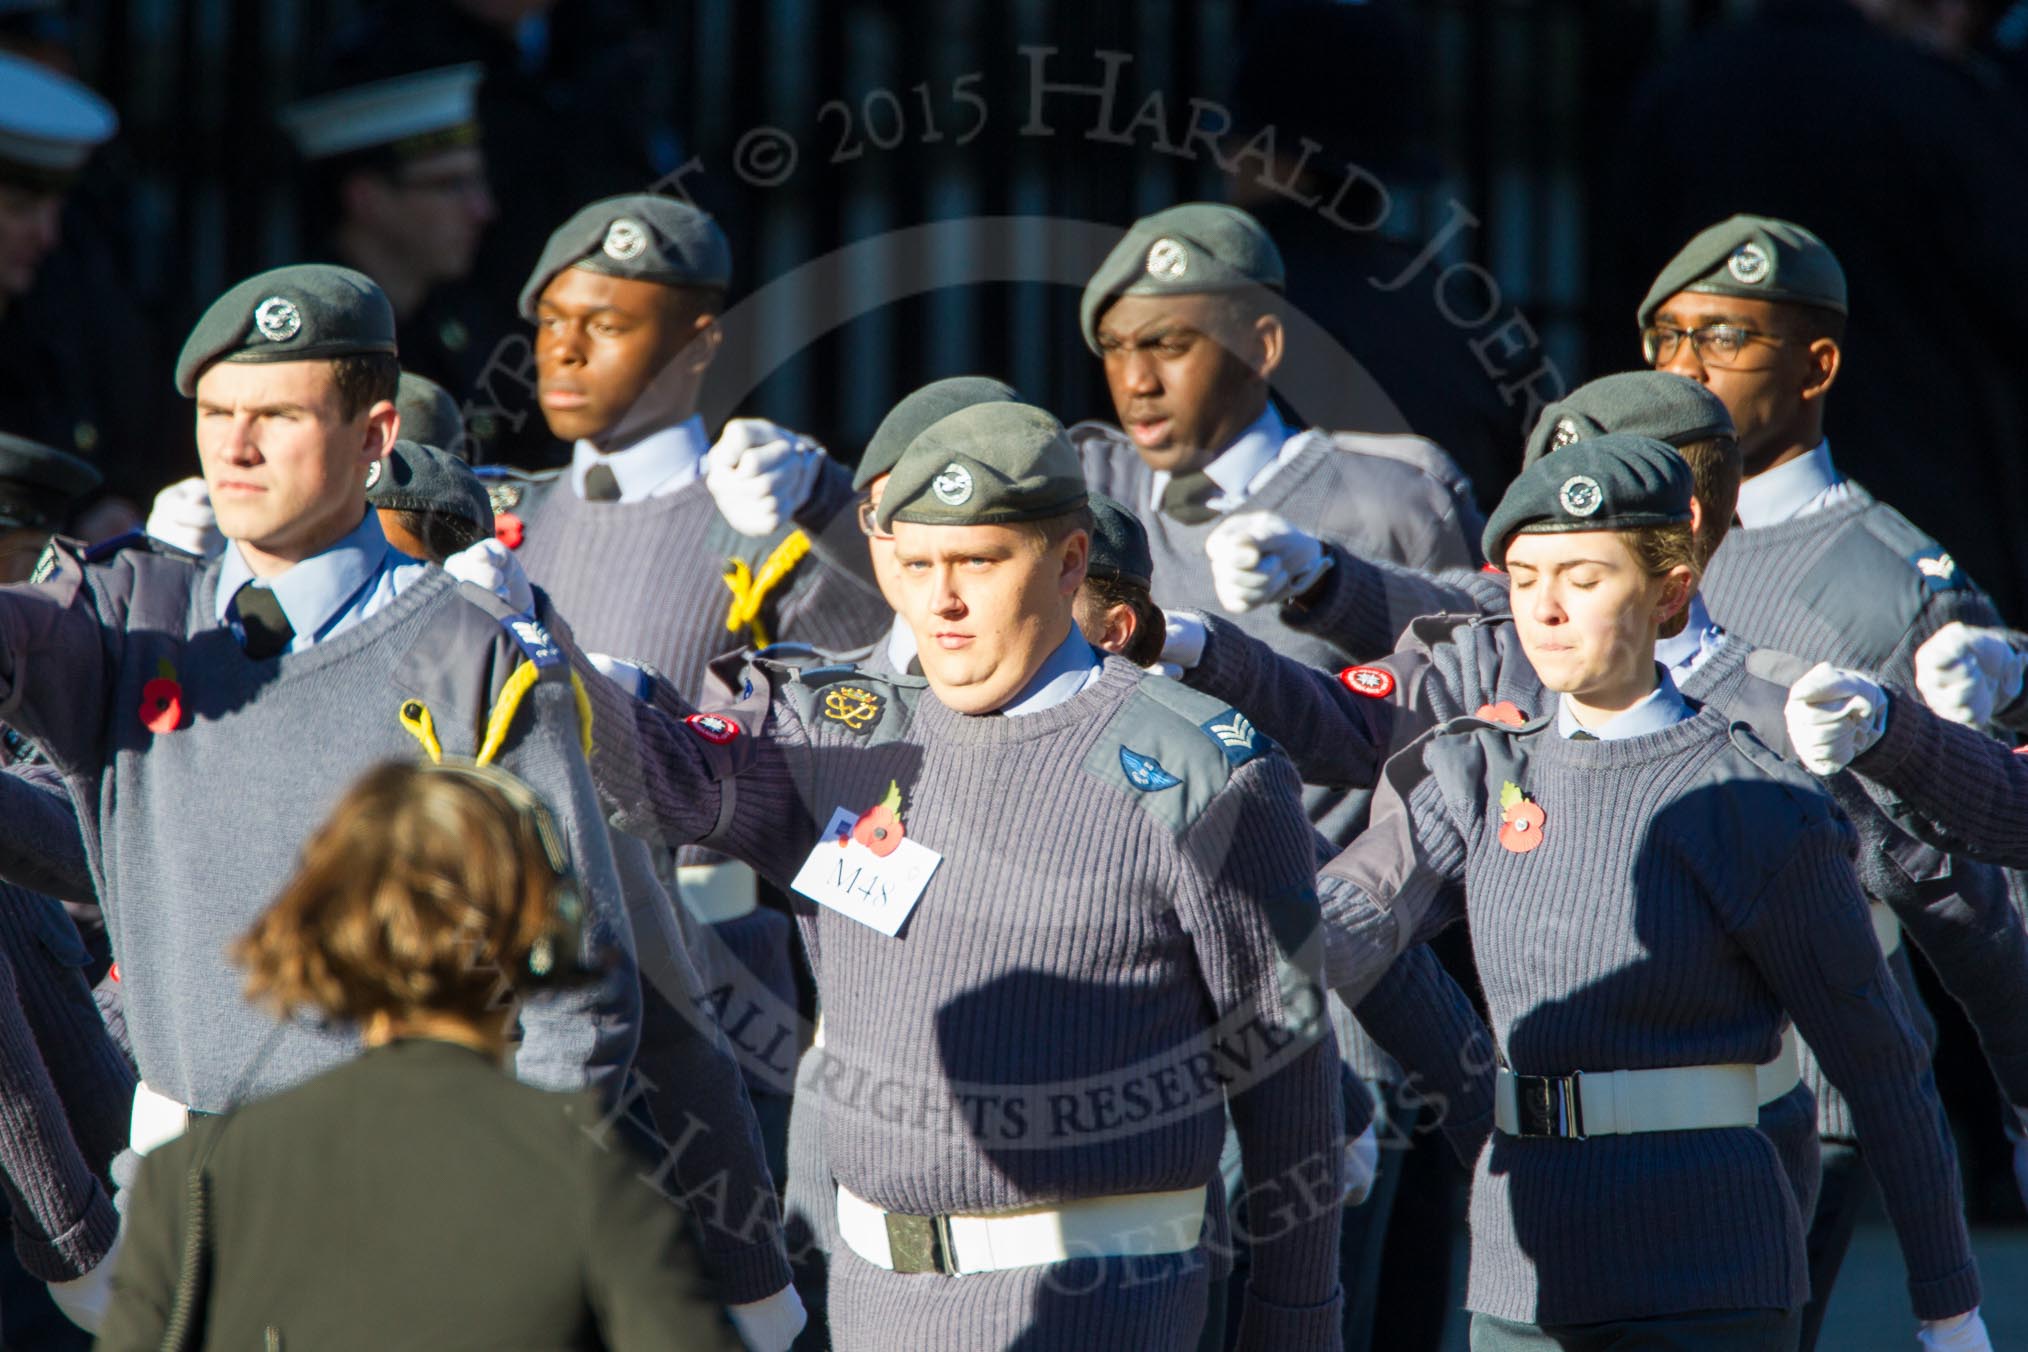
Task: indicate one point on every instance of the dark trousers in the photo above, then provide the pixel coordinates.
(1848, 1186)
(1719, 1331)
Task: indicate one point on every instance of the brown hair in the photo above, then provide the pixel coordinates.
(1150, 630)
(424, 892)
(1716, 469)
(363, 380)
(1658, 549)
(1052, 530)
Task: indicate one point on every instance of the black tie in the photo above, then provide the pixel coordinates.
(1582, 736)
(600, 485)
(265, 629)
(1188, 496)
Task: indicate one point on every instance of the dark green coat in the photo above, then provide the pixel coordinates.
(417, 1197)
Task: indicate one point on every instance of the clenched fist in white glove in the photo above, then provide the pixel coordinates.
(1362, 1165)
(1258, 559)
(770, 1325)
(491, 566)
(1833, 715)
(1183, 635)
(1965, 673)
(1960, 1333)
(182, 517)
(760, 474)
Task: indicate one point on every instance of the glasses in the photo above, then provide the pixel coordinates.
(446, 185)
(869, 526)
(1716, 345)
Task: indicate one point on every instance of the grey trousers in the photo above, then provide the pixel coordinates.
(1718, 1331)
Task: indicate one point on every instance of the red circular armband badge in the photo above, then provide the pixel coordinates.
(1372, 682)
(713, 728)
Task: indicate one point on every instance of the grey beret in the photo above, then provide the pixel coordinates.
(931, 404)
(1646, 403)
(39, 484)
(415, 478)
(1614, 482)
(429, 415)
(1756, 256)
(988, 465)
(1183, 250)
(641, 236)
(305, 312)
(1119, 543)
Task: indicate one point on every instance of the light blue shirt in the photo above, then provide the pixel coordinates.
(664, 462)
(1664, 707)
(1804, 486)
(1691, 649)
(327, 593)
(1062, 675)
(1239, 467)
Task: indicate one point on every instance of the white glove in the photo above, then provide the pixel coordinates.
(182, 517)
(1960, 1333)
(492, 566)
(628, 676)
(1362, 1162)
(770, 1325)
(1965, 673)
(760, 474)
(83, 1300)
(1183, 635)
(1257, 559)
(1833, 715)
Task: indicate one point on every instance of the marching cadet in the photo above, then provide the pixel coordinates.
(307, 651)
(430, 503)
(631, 545)
(1754, 309)
(398, 179)
(989, 1009)
(1184, 313)
(1472, 665)
(1687, 889)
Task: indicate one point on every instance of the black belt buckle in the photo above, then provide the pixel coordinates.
(919, 1244)
(1548, 1105)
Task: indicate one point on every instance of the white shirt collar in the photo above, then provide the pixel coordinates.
(1664, 707)
(1236, 468)
(1073, 666)
(1788, 491)
(1690, 649)
(901, 649)
(662, 462)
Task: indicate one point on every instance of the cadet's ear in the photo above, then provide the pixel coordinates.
(383, 424)
(706, 337)
(1268, 332)
(1075, 553)
(1822, 360)
(1121, 624)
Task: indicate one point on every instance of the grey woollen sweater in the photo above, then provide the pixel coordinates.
(191, 831)
(1450, 666)
(1397, 498)
(645, 581)
(1042, 1029)
(1856, 586)
(1688, 889)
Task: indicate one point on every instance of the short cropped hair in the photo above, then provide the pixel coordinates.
(441, 533)
(423, 893)
(1715, 473)
(363, 380)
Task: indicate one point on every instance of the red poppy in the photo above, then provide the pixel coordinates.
(1503, 712)
(878, 829)
(508, 530)
(1521, 820)
(162, 705)
(114, 971)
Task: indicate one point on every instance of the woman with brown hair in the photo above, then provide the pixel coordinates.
(419, 1196)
